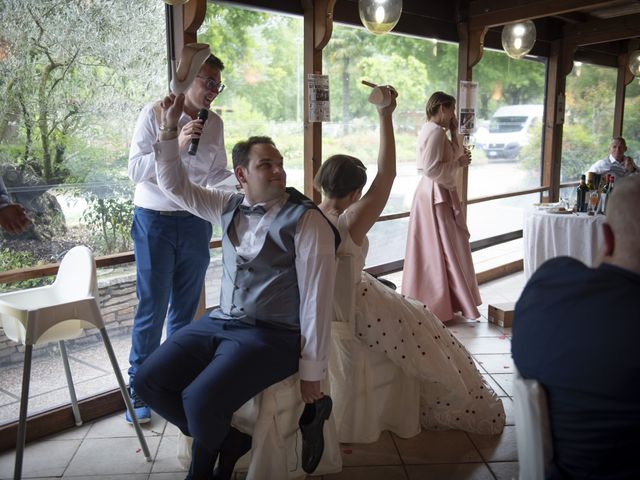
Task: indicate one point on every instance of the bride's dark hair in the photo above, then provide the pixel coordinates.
(339, 175)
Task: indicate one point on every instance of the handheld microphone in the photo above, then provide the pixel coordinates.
(203, 114)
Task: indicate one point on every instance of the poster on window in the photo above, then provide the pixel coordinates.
(467, 107)
(318, 90)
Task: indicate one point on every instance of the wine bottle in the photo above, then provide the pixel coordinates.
(606, 193)
(581, 195)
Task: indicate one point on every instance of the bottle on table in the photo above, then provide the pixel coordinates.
(582, 195)
(606, 191)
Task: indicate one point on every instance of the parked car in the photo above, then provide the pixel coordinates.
(509, 130)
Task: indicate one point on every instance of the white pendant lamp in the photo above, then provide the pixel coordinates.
(379, 16)
(518, 38)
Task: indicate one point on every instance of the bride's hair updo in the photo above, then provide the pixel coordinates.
(339, 175)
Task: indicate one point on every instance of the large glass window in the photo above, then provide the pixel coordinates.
(631, 130)
(510, 106)
(417, 68)
(263, 58)
(588, 126)
(508, 153)
(69, 167)
(73, 76)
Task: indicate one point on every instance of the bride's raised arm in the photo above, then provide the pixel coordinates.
(366, 211)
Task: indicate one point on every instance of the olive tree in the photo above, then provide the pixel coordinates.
(73, 68)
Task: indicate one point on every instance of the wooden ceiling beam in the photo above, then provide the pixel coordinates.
(602, 31)
(489, 13)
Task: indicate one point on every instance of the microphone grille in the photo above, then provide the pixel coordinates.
(203, 114)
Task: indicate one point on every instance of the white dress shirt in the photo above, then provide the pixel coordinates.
(206, 168)
(608, 165)
(314, 249)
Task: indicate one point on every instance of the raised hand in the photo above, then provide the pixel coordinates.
(172, 107)
(384, 98)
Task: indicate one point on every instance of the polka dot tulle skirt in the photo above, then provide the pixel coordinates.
(454, 394)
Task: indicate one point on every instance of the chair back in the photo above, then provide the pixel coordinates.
(76, 277)
(60, 311)
(533, 432)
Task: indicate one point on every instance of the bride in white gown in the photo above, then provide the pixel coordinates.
(453, 394)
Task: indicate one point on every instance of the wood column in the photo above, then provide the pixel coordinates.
(193, 13)
(560, 65)
(318, 26)
(625, 77)
(470, 52)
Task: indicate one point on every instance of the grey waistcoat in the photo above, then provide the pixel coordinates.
(264, 289)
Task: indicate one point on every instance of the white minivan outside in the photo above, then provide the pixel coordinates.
(509, 130)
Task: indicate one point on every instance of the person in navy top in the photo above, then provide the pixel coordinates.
(576, 331)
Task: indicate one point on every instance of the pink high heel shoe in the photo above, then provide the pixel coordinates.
(193, 57)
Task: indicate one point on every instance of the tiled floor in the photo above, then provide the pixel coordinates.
(107, 449)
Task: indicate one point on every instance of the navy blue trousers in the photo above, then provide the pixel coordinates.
(207, 370)
(172, 256)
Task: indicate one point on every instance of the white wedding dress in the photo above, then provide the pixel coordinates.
(453, 393)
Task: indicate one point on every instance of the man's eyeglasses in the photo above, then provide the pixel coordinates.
(212, 85)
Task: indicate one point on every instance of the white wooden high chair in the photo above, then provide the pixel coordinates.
(370, 393)
(533, 430)
(59, 312)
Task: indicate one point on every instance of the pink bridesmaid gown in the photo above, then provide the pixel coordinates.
(438, 269)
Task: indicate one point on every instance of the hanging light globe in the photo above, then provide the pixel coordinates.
(518, 38)
(634, 62)
(379, 16)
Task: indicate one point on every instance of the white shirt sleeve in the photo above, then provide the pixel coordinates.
(600, 167)
(174, 182)
(142, 165)
(315, 267)
(218, 170)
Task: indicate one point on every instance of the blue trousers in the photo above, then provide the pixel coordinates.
(206, 371)
(172, 256)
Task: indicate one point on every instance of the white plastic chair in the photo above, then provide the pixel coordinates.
(533, 432)
(370, 393)
(59, 312)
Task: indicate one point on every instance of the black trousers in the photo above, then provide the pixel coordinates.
(207, 370)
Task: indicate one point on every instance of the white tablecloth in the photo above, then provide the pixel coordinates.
(549, 235)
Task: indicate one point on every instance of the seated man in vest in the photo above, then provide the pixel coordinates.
(576, 332)
(278, 274)
(617, 163)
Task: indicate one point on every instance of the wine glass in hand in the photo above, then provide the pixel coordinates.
(468, 143)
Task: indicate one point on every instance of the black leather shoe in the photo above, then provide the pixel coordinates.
(235, 445)
(311, 423)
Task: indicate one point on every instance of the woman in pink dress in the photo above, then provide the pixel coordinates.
(438, 269)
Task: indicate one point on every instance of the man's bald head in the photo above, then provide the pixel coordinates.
(623, 218)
